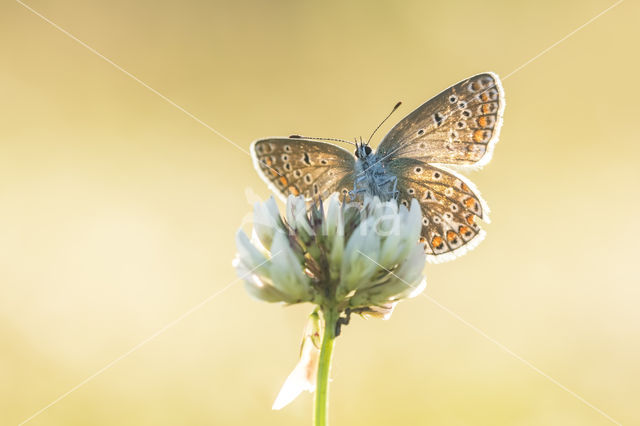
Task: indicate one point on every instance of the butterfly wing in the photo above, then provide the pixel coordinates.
(450, 204)
(459, 126)
(303, 167)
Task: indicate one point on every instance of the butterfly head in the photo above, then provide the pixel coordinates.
(362, 150)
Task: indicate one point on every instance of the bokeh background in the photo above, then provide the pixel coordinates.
(118, 211)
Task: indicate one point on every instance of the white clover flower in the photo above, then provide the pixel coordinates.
(349, 255)
(343, 257)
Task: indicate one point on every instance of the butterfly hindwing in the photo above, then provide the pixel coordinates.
(450, 204)
(459, 126)
(303, 167)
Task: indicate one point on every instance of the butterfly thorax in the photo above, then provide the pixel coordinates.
(371, 176)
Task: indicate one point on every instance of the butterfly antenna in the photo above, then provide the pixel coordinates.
(320, 139)
(385, 119)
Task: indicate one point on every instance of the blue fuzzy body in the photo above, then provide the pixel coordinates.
(372, 177)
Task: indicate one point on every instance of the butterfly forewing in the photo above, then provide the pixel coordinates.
(459, 126)
(303, 167)
(449, 206)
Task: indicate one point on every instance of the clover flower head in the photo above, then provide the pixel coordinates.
(364, 257)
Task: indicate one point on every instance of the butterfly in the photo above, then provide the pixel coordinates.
(459, 128)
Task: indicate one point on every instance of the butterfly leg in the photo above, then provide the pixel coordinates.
(394, 190)
(386, 181)
(355, 190)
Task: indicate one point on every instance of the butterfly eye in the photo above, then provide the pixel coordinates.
(367, 150)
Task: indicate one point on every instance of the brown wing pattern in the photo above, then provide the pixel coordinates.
(303, 167)
(450, 204)
(459, 126)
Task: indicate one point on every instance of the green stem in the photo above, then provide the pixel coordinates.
(321, 409)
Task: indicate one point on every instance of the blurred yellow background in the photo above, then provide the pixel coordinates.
(118, 211)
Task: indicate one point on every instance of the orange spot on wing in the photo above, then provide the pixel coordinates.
(486, 109)
(484, 97)
(479, 136)
(451, 236)
(469, 202)
(464, 230)
(294, 191)
(283, 180)
(268, 161)
(464, 187)
(437, 242)
(482, 121)
(470, 219)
